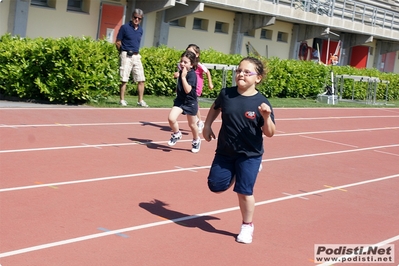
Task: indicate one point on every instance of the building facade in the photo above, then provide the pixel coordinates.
(362, 33)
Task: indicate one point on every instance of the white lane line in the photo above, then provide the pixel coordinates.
(389, 153)
(185, 218)
(3, 125)
(336, 131)
(160, 142)
(288, 194)
(102, 179)
(189, 169)
(72, 147)
(79, 125)
(330, 153)
(86, 108)
(184, 121)
(336, 117)
(88, 145)
(329, 141)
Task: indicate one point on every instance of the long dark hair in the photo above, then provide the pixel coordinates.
(192, 57)
(196, 49)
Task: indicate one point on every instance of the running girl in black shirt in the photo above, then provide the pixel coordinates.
(246, 116)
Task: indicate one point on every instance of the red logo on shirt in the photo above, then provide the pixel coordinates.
(250, 114)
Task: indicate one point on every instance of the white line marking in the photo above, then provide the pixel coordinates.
(3, 125)
(336, 117)
(329, 141)
(330, 153)
(88, 145)
(288, 194)
(160, 142)
(143, 226)
(191, 170)
(80, 125)
(74, 147)
(85, 108)
(188, 169)
(100, 179)
(335, 131)
(144, 123)
(389, 153)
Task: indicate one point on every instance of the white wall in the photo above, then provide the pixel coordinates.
(49, 22)
(180, 37)
(4, 13)
(149, 29)
(271, 48)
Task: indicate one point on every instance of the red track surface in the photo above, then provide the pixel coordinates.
(82, 186)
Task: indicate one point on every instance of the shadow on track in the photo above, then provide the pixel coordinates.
(157, 207)
(156, 146)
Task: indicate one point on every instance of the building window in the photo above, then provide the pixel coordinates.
(44, 3)
(200, 24)
(79, 5)
(178, 22)
(266, 34)
(39, 3)
(250, 33)
(282, 36)
(75, 5)
(221, 27)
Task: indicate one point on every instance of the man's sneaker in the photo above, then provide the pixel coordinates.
(175, 137)
(142, 104)
(123, 102)
(245, 235)
(200, 125)
(196, 146)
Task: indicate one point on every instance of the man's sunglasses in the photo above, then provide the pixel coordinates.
(134, 17)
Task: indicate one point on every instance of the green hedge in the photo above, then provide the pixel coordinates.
(78, 70)
(65, 70)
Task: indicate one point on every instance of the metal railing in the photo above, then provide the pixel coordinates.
(372, 85)
(225, 72)
(355, 11)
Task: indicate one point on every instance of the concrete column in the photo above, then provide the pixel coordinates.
(18, 19)
(130, 6)
(377, 55)
(344, 57)
(295, 42)
(237, 36)
(161, 33)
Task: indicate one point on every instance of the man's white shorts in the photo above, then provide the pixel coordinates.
(131, 64)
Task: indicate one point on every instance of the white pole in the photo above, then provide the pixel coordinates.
(328, 49)
(318, 54)
(332, 85)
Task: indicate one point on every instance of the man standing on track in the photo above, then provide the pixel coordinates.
(128, 44)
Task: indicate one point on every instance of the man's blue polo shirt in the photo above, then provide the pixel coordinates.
(130, 37)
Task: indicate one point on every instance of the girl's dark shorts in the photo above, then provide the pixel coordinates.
(241, 169)
(190, 108)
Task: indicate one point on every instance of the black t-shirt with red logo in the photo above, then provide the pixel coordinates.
(241, 130)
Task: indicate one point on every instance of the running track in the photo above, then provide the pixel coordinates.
(85, 186)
